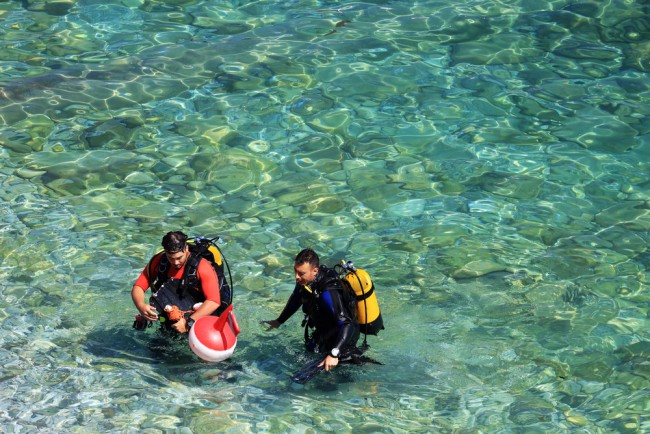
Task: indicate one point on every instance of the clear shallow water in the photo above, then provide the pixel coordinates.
(486, 162)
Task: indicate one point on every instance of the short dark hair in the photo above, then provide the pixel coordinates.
(308, 256)
(174, 242)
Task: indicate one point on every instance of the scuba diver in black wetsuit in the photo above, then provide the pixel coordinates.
(327, 310)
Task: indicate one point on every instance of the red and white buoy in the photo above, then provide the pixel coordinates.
(214, 338)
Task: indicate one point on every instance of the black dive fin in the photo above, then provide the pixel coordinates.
(314, 368)
(308, 372)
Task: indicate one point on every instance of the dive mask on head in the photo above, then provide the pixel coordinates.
(175, 247)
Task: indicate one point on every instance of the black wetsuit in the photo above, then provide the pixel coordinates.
(327, 311)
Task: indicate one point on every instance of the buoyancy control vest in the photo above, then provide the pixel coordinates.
(326, 324)
(185, 292)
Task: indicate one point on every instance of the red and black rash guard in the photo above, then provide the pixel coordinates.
(205, 274)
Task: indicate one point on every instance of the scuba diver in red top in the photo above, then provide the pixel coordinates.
(178, 279)
(320, 293)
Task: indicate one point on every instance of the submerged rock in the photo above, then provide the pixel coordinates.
(632, 215)
(477, 268)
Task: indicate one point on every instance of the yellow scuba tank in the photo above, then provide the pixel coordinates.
(217, 255)
(368, 313)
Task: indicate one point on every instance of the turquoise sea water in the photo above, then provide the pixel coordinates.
(485, 161)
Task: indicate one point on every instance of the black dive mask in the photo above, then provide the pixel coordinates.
(175, 247)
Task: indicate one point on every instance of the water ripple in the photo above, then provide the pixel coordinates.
(485, 162)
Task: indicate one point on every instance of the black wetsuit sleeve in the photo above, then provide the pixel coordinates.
(345, 333)
(292, 306)
(343, 320)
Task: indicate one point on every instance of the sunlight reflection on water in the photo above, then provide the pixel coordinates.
(485, 163)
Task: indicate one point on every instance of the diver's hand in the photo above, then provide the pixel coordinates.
(149, 312)
(181, 326)
(273, 324)
(329, 362)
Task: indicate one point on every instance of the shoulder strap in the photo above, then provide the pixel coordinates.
(329, 277)
(159, 278)
(190, 278)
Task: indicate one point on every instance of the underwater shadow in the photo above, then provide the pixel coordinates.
(143, 346)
